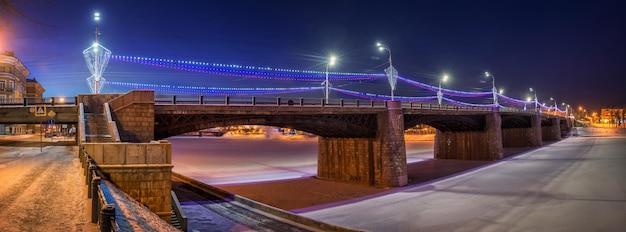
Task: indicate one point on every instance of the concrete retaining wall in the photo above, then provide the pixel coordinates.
(142, 170)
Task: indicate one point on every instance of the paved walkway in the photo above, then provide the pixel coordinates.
(42, 190)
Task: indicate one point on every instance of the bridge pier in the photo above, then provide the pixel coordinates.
(472, 145)
(379, 161)
(552, 132)
(525, 136)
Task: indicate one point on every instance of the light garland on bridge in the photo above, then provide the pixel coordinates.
(212, 91)
(300, 75)
(449, 92)
(246, 71)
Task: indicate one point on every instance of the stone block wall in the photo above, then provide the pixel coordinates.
(551, 133)
(347, 160)
(379, 161)
(472, 145)
(142, 170)
(134, 115)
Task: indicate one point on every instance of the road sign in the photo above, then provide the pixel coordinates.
(51, 121)
(40, 111)
(52, 113)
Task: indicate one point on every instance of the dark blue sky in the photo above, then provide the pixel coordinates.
(569, 50)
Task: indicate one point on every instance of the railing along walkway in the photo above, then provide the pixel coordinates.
(102, 212)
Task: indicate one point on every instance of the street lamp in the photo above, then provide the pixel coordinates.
(535, 92)
(439, 93)
(493, 90)
(331, 62)
(392, 73)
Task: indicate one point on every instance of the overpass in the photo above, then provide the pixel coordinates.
(360, 141)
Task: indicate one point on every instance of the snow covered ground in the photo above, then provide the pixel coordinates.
(42, 191)
(578, 184)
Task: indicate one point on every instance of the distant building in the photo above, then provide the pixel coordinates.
(34, 89)
(13, 84)
(12, 77)
(612, 116)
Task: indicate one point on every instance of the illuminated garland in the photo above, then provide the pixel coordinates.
(449, 92)
(297, 75)
(246, 71)
(212, 91)
(382, 97)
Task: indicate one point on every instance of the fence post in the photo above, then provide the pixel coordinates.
(301, 101)
(201, 100)
(323, 102)
(357, 102)
(106, 215)
(174, 99)
(372, 103)
(227, 100)
(95, 200)
(254, 101)
(90, 170)
(278, 101)
(341, 102)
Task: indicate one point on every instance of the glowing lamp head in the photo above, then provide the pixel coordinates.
(96, 16)
(445, 78)
(379, 44)
(528, 99)
(487, 74)
(531, 89)
(501, 91)
(332, 60)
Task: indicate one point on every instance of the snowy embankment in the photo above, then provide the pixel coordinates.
(41, 190)
(598, 132)
(130, 214)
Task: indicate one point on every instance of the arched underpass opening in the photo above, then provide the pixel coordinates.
(247, 154)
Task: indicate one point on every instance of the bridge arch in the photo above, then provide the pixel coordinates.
(446, 123)
(331, 126)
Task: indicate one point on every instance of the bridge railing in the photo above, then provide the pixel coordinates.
(31, 101)
(265, 101)
(102, 211)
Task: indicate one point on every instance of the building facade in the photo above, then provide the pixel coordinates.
(13, 84)
(613, 116)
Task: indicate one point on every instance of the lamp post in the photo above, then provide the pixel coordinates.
(555, 105)
(493, 88)
(536, 102)
(331, 62)
(96, 17)
(439, 93)
(392, 73)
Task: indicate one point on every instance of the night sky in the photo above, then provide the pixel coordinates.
(572, 51)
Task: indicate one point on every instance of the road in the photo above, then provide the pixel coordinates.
(42, 190)
(578, 184)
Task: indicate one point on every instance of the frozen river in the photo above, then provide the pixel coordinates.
(245, 159)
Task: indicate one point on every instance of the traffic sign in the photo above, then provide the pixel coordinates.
(51, 121)
(52, 113)
(40, 111)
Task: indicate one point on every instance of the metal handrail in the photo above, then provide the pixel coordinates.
(102, 212)
(178, 211)
(112, 125)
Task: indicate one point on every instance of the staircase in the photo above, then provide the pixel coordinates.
(175, 222)
(96, 128)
